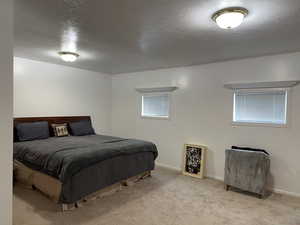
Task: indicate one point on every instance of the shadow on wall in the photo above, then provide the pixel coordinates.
(270, 182)
(210, 157)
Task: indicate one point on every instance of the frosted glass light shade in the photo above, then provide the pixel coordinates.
(230, 18)
(68, 56)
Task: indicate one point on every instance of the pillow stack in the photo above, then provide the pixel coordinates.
(29, 131)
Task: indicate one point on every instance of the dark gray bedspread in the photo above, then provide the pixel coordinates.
(63, 157)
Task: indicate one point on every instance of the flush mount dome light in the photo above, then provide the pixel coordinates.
(230, 18)
(68, 56)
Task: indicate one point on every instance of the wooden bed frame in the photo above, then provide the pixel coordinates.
(50, 186)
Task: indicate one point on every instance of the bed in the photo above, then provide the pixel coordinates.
(70, 168)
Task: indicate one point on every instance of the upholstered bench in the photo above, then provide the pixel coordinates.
(247, 170)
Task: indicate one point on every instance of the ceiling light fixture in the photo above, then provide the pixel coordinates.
(230, 18)
(68, 56)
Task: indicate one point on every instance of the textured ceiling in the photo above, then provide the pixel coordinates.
(118, 36)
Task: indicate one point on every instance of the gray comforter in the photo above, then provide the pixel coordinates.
(63, 157)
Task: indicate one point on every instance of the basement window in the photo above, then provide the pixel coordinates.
(156, 105)
(266, 107)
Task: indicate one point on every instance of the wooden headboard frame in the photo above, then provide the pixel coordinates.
(51, 120)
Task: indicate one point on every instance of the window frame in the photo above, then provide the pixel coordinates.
(155, 94)
(263, 124)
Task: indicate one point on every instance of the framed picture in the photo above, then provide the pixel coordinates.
(194, 160)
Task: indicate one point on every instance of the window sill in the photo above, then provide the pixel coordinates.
(156, 117)
(249, 124)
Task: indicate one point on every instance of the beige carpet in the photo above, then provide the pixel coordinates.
(167, 199)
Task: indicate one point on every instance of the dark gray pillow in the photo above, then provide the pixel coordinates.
(32, 131)
(81, 128)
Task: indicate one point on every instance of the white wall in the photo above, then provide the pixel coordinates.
(6, 100)
(44, 89)
(202, 114)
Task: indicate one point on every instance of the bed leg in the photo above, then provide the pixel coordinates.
(261, 196)
(147, 174)
(69, 207)
(64, 207)
(226, 187)
(77, 204)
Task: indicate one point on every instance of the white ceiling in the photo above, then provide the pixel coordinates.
(114, 36)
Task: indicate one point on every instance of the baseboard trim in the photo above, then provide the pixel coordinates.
(168, 167)
(215, 178)
(283, 192)
(275, 190)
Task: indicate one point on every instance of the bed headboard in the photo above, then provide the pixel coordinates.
(51, 120)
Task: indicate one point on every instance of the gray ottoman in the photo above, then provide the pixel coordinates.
(247, 170)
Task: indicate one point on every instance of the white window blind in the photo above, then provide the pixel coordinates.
(264, 106)
(155, 105)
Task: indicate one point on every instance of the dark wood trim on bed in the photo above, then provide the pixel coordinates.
(50, 120)
(55, 119)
